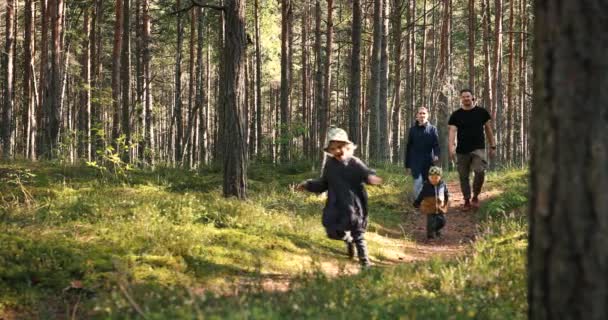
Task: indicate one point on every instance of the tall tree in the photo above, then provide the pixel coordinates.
(423, 74)
(147, 81)
(118, 30)
(510, 153)
(384, 151)
(354, 124)
(84, 114)
(9, 78)
(497, 75)
(56, 77)
(179, 125)
(125, 78)
(43, 88)
(472, 26)
(374, 85)
(316, 136)
(567, 253)
(233, 81)
(305, 78)
(326, 106)
(286, 13)
(258, 78)
(29, 120)
(488, 99)
(396, 102)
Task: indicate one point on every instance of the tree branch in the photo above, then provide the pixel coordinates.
(197, 3)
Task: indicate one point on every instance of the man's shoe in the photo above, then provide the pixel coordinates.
(475, 202)
(350, 249)
(466, 206)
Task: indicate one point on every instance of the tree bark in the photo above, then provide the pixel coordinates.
(258, 79)
(84, 115)
(487, 69)
(384, 153)
(56, 79)
(472, 27)
(233, 81)
(324, 120)
(179, 125)
(423, 57)
(125, 78)
(316, 136)
(118, 30)
(147, 81)
(374, 86)
(567, 256)
(9, 78)
(396, 102)
(510, 152)
(354, 124)
(285, 81)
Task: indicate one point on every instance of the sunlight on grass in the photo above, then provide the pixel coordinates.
(170, 240)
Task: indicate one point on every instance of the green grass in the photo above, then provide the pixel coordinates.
(160, 238)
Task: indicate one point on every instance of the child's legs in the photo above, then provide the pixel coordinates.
(359, 239)
(430, 225)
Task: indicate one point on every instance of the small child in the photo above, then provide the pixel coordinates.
(433, 201)
(344, 176)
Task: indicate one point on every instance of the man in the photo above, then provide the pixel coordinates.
(422, 149)
(468, 125)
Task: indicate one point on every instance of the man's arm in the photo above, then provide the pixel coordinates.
(490, 137)
(452, 141)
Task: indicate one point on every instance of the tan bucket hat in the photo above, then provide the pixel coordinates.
(336, 134)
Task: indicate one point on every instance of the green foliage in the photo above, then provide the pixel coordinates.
(169, 244)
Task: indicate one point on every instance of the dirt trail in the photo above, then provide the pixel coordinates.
(458, 233)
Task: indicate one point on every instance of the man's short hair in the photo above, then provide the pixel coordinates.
(466, 90)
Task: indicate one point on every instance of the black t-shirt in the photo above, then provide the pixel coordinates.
(470, 128)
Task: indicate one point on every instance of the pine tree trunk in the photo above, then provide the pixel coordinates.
(41, 112)
(147, 81)
(374, 86)
(510, 152)
(29, 120)
(423, 57)
(233, 81)
(179, 125)
(305, 84)
(488, 99)
(56, 78)
(201, 92)
(354, 124)
(411, 63)
(192, 107)
(285, 83)
(472, 27)
(125, 78)
(318, 142)
(84, 118)
(9, 78)
(396, 102)
(497, 77)
(567, 269)
(325, 110)
(116, 54)
(384, 150)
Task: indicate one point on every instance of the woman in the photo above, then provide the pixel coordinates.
(422, 149)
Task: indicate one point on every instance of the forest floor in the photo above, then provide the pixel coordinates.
(407, 243)
(80, 242)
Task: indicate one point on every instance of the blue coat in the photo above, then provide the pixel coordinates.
(422, 145)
